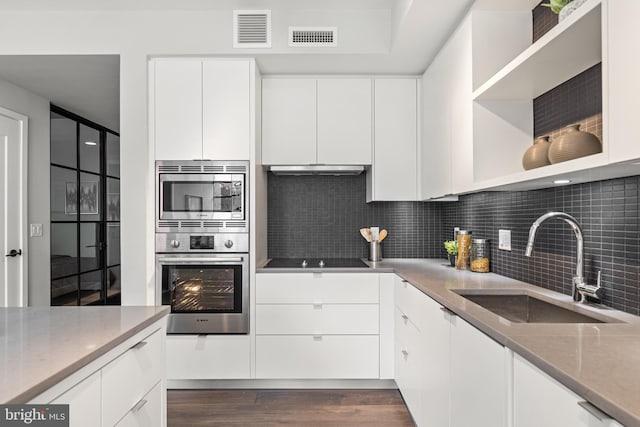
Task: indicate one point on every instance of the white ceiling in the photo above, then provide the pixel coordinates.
(374, 37)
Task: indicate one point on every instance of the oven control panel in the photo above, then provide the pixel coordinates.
(204, 242)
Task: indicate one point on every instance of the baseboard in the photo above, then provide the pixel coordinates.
(283, 384)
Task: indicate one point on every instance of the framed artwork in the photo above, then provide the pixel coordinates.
(88, 198)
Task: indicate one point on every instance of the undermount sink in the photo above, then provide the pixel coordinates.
(524, 308)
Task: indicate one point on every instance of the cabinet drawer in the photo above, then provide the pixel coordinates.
(313, 288)
(129, 377)
(147, 411)
(411, 302)
(318, 319)
(408, 364)
(309, 357)
(84, 402)
(208, 357)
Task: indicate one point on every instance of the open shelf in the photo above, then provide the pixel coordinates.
(571, 47)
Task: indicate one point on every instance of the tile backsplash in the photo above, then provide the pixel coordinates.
(607, 212)
(320, 216)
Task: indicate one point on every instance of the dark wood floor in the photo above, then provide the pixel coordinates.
(286, 407)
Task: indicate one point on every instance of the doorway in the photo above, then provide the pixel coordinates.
(85, 211)
(13, 215)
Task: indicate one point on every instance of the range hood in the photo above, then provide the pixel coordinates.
(317, 170)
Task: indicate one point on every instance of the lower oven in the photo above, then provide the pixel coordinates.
(208, 292)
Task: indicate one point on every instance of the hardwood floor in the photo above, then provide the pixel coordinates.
(286, 407)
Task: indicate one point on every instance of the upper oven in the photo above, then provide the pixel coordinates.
(204, 195)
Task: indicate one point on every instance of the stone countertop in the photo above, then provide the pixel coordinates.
(40, 346)
(600, 362)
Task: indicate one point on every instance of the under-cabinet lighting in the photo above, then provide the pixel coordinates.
(89, 143)
(562, 181)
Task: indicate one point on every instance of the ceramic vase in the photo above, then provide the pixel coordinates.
(575, 143)
(569, 9)
(537, 155)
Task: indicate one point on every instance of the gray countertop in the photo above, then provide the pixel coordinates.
(600, 362)
(40, 346)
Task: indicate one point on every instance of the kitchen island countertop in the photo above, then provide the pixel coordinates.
(40, 346)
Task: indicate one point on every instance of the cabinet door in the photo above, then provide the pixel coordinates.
(208, 357)
(288, 121)
(178, 109)
(409, 364)
(395, 131)
(344, 121)
(226, 114)
(478, 378)
(84, 402)
(147, 412)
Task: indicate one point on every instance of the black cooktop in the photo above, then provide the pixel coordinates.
(316, 263)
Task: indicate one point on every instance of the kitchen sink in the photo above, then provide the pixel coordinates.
(524, 308)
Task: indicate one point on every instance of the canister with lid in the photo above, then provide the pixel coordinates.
(464, 246)
(480, 255)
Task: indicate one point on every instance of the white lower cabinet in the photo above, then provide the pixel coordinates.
(84, 402)
(478, 378)
(539, 400)
(318, 326)
(192, 357)
(147, 412)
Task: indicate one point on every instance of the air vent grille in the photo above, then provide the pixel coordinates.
(251, 28)
(313, 36)
(165, 168)
(236, 224)
(167, 224)
(189, 168)
(213, 169)
(237, 169)
(213, 224)
(190, 224)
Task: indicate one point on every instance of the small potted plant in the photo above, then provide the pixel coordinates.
(451, 246)
(563, 7)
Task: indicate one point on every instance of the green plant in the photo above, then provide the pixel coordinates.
(451, 246)
(556, 5)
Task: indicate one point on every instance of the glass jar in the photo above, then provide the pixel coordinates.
(480, 255)
(464, 246)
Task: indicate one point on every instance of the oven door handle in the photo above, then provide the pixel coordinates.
(207, 260)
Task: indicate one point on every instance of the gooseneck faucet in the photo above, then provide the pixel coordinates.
(580, 287)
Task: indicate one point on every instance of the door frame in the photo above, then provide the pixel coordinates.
(23, 122)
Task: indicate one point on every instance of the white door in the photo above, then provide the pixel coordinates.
(13, 215)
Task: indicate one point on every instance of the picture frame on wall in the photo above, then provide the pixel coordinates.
(88, 198)
(113, 206)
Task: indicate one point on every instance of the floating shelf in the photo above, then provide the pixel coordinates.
(571, 47)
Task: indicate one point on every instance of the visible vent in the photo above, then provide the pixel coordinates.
(189, 168)
(236, 224)
(313, 36)
(168, 224)
(165, 168)
(213, 168)
(238, 169)
(190, 224)
(251, 28)
(213, 224)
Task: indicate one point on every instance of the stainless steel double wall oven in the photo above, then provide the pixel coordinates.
(202, 245)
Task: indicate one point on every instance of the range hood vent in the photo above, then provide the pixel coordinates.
(251, 28)
(313, 36)
(317, 170)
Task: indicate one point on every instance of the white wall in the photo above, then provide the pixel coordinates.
(37, 109)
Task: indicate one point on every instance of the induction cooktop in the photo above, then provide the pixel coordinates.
(316, 263)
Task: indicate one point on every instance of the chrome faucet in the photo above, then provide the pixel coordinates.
(580, 287)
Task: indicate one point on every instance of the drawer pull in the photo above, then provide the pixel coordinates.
(405, 353)
(405, 281)
(317, 337)
(317, 305)
(449, 312)
(601, 416)
(405, 317)
(139, 345)
(138, 406)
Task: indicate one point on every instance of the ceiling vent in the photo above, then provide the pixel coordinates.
(313, 36)
(251, 28)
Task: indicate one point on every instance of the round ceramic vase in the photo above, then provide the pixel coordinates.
(537, 155)
(575, 143)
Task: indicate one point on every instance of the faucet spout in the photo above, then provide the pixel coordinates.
(578, 278)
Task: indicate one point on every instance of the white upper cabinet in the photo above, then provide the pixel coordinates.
(177, 97)
(393, 175)
(344, 121)
(226, 100)
(201, 109)
(288, 121)
(316, 121)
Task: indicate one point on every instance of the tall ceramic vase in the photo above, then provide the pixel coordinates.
(537, 155)
(575, 143)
